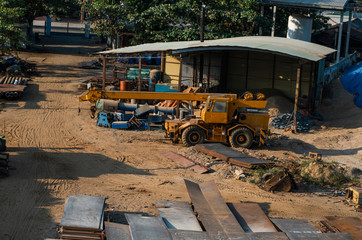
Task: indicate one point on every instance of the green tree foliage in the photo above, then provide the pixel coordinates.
(36, 8)
(11, 36)
(106, 17)
(178, 20)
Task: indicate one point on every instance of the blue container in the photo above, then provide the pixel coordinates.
(147, 59)
(157, 59)
(164, 88)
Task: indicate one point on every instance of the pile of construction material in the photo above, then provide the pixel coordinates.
(15, 74)
(115, 114)
(120, 115)
(16, 66)
(83, 218)
(132, 116)
(286, 122)
(207, 217)
(121, 78)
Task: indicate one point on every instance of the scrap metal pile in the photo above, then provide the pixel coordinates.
(286, 121)
(120, 115)
(207, 217)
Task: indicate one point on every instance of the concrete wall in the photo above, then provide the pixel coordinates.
(300, 27)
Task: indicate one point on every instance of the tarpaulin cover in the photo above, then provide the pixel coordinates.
(352, 82)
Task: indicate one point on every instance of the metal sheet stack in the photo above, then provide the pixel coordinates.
(208, 217)
(83, 218)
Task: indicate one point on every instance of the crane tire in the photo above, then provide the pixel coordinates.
(192, 135)
(241, 137)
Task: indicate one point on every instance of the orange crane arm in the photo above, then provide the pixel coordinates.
(94, 94)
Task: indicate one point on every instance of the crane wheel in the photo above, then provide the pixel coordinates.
(192, 135)
(241, 137)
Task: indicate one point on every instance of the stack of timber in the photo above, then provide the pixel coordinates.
(230, 155)
(83, 218)
(209, 217)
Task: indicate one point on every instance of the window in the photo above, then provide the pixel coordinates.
(219, 107)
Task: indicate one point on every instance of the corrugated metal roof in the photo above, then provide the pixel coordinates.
(278, 45)
(152, 47)
(318, 4)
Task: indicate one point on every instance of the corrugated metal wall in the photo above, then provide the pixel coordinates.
(191, 68)
(245, 71)
(248, 70)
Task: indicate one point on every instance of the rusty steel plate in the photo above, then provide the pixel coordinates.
(267, 236)
(251, 217)
(178, 215)
(188, 235)
(116, 231)
(351, 225)
(187, 163)
(82, 211)
(147, 227)
(230, 155)
(214, 214)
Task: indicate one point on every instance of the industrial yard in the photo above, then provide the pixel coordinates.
(56, 150)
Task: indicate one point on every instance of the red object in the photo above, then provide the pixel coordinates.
(122, 85)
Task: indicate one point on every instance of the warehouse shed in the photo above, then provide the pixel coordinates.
(240, 64)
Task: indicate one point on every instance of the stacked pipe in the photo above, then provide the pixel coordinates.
(111, 105)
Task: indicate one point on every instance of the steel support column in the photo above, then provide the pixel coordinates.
(340, 31)
(163, 64)
(348, 34)
(179, 87)
(104, 73)
(139, 72)
(208, 74)
(296, 97)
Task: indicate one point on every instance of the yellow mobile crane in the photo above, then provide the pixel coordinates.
(225, 117)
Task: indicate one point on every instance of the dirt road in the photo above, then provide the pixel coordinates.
(57, 151)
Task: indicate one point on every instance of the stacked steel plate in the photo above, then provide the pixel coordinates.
(83, 218)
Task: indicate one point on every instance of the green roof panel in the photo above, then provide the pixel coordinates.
(283, 46)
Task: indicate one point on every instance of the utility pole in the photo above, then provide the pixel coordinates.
(202, 30)
(202, 22)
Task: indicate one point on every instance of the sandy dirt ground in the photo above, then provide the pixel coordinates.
(56, 151)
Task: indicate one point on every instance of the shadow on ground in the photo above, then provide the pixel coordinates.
(301, 147)
(34, 177)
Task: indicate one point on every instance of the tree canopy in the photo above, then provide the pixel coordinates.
(35, 8)
(11, 35)
(171, 20)
(174, 20)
